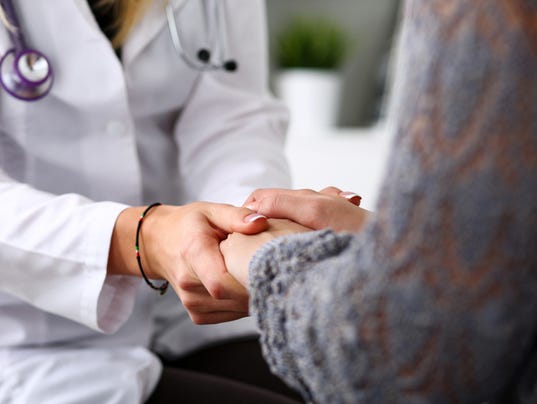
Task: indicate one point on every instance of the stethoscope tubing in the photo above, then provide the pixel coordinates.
(176, 40)
(15, 33)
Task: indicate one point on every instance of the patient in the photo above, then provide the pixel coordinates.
(434, 298)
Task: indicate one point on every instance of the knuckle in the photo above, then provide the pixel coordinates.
(331, 190)
(187, 283)
(198, 206)
(189, 302)
(215, 289)
(265, 205)
(198, 319)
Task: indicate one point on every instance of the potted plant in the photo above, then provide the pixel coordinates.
(309, 53)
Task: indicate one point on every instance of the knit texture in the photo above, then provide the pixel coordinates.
(435, 301)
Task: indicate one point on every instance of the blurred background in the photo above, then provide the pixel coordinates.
(331, 63)
(368, 28)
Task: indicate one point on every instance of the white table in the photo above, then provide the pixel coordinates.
(351, 159)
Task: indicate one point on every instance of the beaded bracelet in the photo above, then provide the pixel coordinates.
(162, 288)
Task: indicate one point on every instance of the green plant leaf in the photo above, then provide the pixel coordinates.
(311, 42)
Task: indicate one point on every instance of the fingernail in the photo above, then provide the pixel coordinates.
(253, 217)
(351, 196)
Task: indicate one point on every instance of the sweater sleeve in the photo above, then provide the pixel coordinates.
(434, 301)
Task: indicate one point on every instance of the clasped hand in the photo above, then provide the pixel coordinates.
(291, 211)
(204, 249)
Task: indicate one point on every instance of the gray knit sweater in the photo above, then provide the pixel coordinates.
(436, 300)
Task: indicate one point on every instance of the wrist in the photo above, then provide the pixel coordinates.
(122, 256)
(163, 287)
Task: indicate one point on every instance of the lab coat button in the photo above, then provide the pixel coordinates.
(116, 128)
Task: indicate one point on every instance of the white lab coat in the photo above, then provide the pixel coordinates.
(110, 135)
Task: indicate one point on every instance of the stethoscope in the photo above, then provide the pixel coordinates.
(26, 73)
(206, 59)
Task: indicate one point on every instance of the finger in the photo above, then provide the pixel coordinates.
(204, 309)
(200, 252)
(217, 317)
(201, 302)
(332, 191)
(208, 265)
(260, 193)
(303, 209)
(201, 270)
(232, 219)
(352, 197)
(252, 202)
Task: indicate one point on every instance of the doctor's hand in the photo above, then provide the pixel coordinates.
(238, 249)
(329, 208)
(181, 244)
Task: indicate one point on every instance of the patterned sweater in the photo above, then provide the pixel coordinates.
(435, 301)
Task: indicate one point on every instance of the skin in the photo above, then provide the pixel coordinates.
(184, 244)
(317, 210)
(238, 249)
(330, 208)
(180, 244)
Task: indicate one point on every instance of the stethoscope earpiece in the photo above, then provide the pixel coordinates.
(231, 66)
(204, 55)
(203, 58)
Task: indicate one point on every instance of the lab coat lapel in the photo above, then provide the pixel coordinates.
(86, 12)
(146, 29)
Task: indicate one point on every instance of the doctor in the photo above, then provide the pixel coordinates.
(177, 111)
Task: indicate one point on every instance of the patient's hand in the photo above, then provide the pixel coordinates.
(316, 210)
(238, 249)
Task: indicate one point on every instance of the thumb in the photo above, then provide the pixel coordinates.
(232, 219)
(352, 197)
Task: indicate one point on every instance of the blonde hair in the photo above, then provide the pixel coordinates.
(125, 14)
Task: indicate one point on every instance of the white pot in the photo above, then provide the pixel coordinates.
(312, 96)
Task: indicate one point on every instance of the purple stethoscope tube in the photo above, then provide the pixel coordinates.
(25, 73)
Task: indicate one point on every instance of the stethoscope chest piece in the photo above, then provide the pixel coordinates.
(26, 74)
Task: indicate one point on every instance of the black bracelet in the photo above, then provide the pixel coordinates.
(162, 288)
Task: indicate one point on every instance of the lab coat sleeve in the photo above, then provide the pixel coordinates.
(54, 252)
(232, 131)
